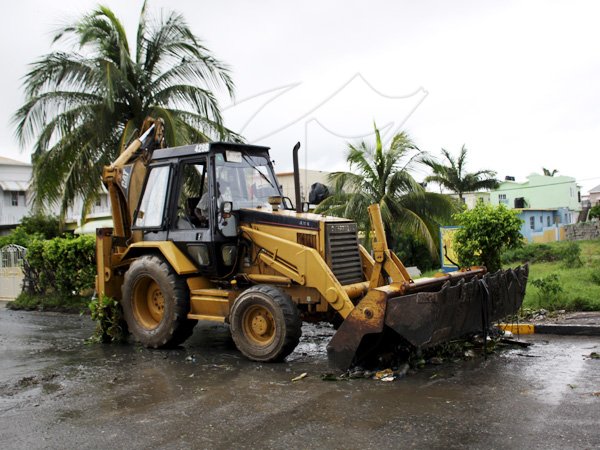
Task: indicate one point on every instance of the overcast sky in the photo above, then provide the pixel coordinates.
(517, 82)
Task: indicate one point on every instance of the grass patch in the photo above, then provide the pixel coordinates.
(573, 266)
(49, 302)
(579, 280)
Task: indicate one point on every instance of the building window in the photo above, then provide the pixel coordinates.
(14, 199)
(99, 202)
(548, 221)
(502, 199)
(541, 219)
(532, 222)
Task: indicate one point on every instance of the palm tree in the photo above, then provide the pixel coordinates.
(454, 178)
(383, 176)
(83, 107)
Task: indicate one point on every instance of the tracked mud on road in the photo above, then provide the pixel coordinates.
(205, 394)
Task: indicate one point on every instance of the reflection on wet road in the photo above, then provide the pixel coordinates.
(56, 392)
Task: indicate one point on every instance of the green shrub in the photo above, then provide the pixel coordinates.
(567, 252)
(413, 252)
(549, 291)
(532, 253)
(486, 232)
(595, 212)
(49, 302)
(65, 266)
(110, 324)
(36, 226)
(571, 256)
(46, 226)
(19, 237)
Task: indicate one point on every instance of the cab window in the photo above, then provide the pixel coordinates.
(152, 206)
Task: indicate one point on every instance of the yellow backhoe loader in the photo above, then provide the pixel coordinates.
(202, 232)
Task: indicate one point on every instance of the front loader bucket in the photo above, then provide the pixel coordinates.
(460, 307)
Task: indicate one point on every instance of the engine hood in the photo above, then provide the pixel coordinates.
(286, 218)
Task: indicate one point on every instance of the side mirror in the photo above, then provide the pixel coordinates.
(227, 223)
(226, 208)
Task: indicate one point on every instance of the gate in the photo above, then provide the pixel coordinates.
(11, 271)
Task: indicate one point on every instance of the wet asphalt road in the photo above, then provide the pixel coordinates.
(57, 392)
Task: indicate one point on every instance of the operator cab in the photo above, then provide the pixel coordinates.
(193, 194)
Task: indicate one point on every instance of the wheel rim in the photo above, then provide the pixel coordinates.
(259, 325)
(148, 303)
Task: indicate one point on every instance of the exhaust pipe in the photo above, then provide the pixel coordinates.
(297, 177)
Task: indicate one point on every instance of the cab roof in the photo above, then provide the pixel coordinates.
(205, 148)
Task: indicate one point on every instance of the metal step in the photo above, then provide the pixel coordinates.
(209, 304)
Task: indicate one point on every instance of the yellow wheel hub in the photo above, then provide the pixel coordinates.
(259, 325)
(148, 303)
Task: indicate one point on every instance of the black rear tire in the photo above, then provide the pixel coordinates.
(155, 303)
(265, 324)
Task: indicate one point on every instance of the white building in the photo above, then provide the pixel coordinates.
(14, 197)
(471, 199)
(15, 201)
(307, 179)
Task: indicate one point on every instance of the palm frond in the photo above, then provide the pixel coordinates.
(81, 108)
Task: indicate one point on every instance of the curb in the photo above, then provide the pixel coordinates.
(554, 328)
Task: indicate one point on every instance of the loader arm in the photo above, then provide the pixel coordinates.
(123, 180)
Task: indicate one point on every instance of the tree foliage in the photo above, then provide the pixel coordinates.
(383, 176)
(486, 231)
(34, 226)
(82, 107)
(595, 212)
(453, 175)
(47, 226)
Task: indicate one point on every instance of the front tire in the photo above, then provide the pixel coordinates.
(156, 303)
(265, 324)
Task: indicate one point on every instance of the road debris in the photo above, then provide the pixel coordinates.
(514, 342)
(300, 377)
(384, 375)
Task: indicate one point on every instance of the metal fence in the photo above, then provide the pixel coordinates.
(11, 271)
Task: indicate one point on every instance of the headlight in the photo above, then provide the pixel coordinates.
(200, 254)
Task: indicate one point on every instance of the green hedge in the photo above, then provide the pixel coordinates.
(569, 252)
(64, 266)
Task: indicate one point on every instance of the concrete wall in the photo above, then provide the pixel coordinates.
(582, 231)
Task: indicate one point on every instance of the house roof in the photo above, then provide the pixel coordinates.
(595, 189)
(7, 185)
(12, 162)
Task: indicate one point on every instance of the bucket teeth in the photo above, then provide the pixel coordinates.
(429, 318)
